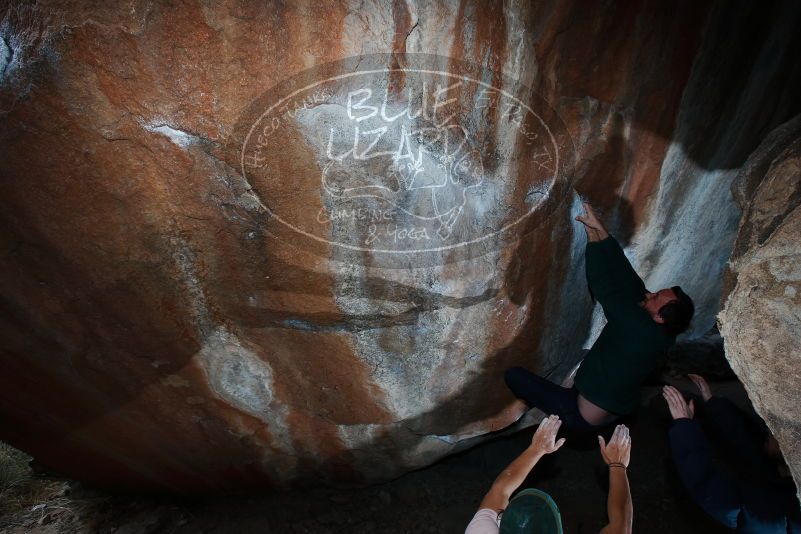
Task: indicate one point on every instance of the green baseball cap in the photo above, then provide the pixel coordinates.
(531, 512)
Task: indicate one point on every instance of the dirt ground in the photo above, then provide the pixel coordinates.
(438, 499)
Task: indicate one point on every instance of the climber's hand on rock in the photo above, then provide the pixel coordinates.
(589, 219)
(544, 438)
(592, 224)
(702, 385)
(679, 408)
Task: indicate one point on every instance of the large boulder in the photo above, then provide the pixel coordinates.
(761, 319)
(212, 277)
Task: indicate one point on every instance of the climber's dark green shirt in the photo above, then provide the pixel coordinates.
(631, 342)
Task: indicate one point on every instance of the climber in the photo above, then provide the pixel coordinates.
(533, 511)
(762, 499)
(640, 326)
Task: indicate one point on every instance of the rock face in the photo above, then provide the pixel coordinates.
(761, 320)
(248, 244)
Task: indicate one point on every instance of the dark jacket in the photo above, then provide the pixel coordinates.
(758, 501)
(630, 344)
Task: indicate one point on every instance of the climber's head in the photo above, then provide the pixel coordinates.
(531, 512)
(670, 307)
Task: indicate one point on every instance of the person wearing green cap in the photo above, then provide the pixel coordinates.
(533, 511)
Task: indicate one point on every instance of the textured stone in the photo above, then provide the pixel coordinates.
(761, 319)
(159, 326)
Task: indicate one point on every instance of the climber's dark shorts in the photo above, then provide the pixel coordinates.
(549, 397)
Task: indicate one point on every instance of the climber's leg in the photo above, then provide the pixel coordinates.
(537, 391)
(549, 397)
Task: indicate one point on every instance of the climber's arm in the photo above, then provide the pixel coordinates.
(613, 282)
(542, 443)
(611, 277)
(610, 272)
(595, 229)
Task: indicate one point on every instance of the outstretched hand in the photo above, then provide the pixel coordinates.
(702, 385)
(544, 438)
(679, 408)
(618, 450)
(592, 224)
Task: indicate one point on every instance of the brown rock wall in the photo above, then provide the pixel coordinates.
(161, 324)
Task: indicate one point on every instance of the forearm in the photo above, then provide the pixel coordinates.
(600, 234)
(594, 234)
(597, 265)
(514, 475)
(618, 505)
(609, 270)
